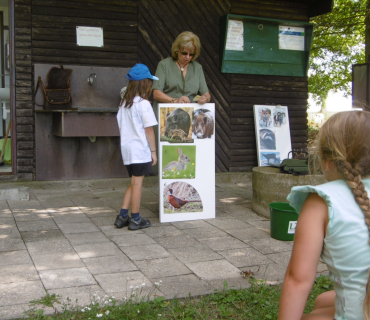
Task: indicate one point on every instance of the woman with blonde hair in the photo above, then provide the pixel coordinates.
(181, 78)
(333, 223)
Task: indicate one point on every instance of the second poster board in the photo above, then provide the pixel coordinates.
(272, 134)
(186, 162)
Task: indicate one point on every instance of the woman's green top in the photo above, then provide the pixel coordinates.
(171, 82)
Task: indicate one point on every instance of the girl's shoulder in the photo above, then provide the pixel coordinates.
(326, 191)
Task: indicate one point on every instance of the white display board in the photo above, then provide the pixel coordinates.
(235, 36)
(272, 134)
(291, 38)
(89, 36)
(186, 149)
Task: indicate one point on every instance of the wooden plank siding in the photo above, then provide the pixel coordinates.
(45, 32)
(143, 31)
(234, 95)
(160, 22)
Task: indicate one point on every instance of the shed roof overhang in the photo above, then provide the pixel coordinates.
(316, 7)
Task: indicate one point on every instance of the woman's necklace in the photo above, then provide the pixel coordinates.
(182, 68)
(182, 76)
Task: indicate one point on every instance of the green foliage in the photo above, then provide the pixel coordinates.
(258, 302)
(48, 300)
(338, 42)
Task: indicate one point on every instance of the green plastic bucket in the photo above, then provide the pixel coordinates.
(283, 219)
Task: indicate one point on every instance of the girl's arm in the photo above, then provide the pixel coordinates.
(307, 248)
(149, 132)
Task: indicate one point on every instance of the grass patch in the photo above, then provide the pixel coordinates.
(258, 302)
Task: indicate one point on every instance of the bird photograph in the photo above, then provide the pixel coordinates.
(181, 197)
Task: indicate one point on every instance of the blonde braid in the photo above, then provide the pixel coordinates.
(353, 178)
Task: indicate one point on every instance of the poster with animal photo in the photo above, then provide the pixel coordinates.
(272, 134)
(203, 124)
(176, 124)
(178, 162)
(186, 162)
(181, 197)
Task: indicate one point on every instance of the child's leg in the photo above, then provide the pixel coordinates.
(123, 218)
(127, 197)
(137, 184)
(136, 221)
(324, 307)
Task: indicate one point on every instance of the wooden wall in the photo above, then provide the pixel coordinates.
(143, 30)
(45, 32)
(160, 22)
(234, 94)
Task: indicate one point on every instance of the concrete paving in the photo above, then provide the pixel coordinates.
(63, 240)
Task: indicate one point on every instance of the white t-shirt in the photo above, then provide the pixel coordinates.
(132, 123)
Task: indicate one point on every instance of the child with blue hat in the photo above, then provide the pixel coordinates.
(135, 121)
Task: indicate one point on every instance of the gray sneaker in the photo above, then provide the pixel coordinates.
(139, 224)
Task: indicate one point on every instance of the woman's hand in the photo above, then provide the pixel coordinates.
(183, 99)
(204, 99)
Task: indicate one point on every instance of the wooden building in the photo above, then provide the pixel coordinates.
(44, 32)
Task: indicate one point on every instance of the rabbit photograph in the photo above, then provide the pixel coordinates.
(178, 163)
(175, 124)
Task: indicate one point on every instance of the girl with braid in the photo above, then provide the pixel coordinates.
(334, 223)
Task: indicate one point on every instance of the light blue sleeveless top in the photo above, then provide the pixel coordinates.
(346, 248)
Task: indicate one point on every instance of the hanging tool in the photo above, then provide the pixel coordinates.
(2, 162)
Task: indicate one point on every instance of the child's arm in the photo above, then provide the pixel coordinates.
(151, 140)
(307, 248)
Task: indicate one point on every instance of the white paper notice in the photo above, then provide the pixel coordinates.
(235, 36)
(291, 38)
(90, 36)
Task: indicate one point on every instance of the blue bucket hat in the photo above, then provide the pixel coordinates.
(140, 72)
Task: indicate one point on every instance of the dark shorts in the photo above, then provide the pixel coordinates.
(139, 169)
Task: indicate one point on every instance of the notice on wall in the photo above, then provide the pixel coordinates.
(186, 161)
(291, 38)
(89, 37)
(235, 36)
(272, 134)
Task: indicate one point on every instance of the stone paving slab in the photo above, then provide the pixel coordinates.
(143, 252)
(64, 241)
(57, 261)
(110, 264)
(60, 245)
(123, 282)
(91, 250)
(224, 243)
(65, 278)
(177, 242)
(37, 225)
(86, 237)
(195, 254)
(15, 258)
(11, 244)
(244, 257)
(161, 268)
(9, 231)
(18, 273)
(20, 292)
(35, 236)
(132, 239)
(184, 286)
(78, 296)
